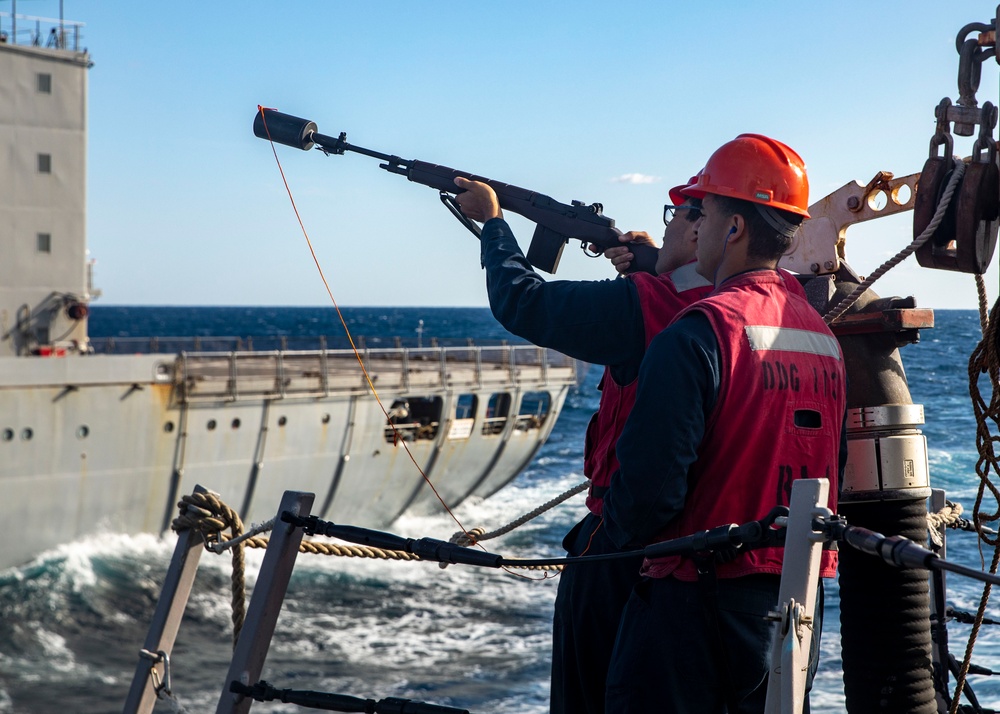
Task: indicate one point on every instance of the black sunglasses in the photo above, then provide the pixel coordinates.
(692, 214)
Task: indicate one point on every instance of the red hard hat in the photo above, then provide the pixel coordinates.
(677, 198)
(759, 169)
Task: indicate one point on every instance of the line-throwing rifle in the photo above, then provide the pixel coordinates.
(556, 223)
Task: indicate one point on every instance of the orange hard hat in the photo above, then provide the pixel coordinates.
(677, 198)
(758, 169)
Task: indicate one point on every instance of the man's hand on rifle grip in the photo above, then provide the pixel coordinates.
(478, 201)
(621, 256)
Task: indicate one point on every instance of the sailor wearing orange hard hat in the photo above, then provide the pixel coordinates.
(694, 636)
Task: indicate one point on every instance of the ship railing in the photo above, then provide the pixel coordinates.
(49, 32)
(411, 431)
(494, 425)
(240, 375)
(269, 343)
(806, 523)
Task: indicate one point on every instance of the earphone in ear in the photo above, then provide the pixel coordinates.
(725, 247)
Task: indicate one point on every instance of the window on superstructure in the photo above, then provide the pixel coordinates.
(44, 83)
(497, 409)
(465, 406)
(44, 163)
(44, 242)
(533, 411)
(465, 416)
(413, 419)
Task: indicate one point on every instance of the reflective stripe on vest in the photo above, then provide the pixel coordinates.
(786, 339)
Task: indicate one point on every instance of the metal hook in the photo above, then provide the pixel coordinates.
(163, 689)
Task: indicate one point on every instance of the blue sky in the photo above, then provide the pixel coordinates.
(187, 207)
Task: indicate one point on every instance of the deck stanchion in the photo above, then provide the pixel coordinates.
(786, 684)
(265, 603)
(166, 620)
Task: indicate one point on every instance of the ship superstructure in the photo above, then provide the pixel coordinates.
(44, 286)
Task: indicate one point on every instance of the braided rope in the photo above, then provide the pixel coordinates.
(985, 358)
(984, 318)
(840, 308)
(947, 516)
(317, 547)
(479, 534)
(209, 515)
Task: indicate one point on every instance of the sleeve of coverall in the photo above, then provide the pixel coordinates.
(598, 321)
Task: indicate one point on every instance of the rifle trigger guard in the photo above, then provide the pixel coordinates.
(452, 205)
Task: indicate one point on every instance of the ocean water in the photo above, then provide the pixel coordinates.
(73, 620)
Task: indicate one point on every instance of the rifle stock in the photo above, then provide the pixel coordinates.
(556, 223)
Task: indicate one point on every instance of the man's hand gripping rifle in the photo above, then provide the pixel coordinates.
(555, 222)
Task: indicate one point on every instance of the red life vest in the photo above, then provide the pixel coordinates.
(777, 418)
(661, 297)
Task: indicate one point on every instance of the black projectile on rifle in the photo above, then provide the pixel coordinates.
(555, 222)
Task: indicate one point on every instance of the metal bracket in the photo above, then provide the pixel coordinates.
(818, 247)
(338, 147)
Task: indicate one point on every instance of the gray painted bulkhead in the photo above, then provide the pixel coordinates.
(43, 145)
